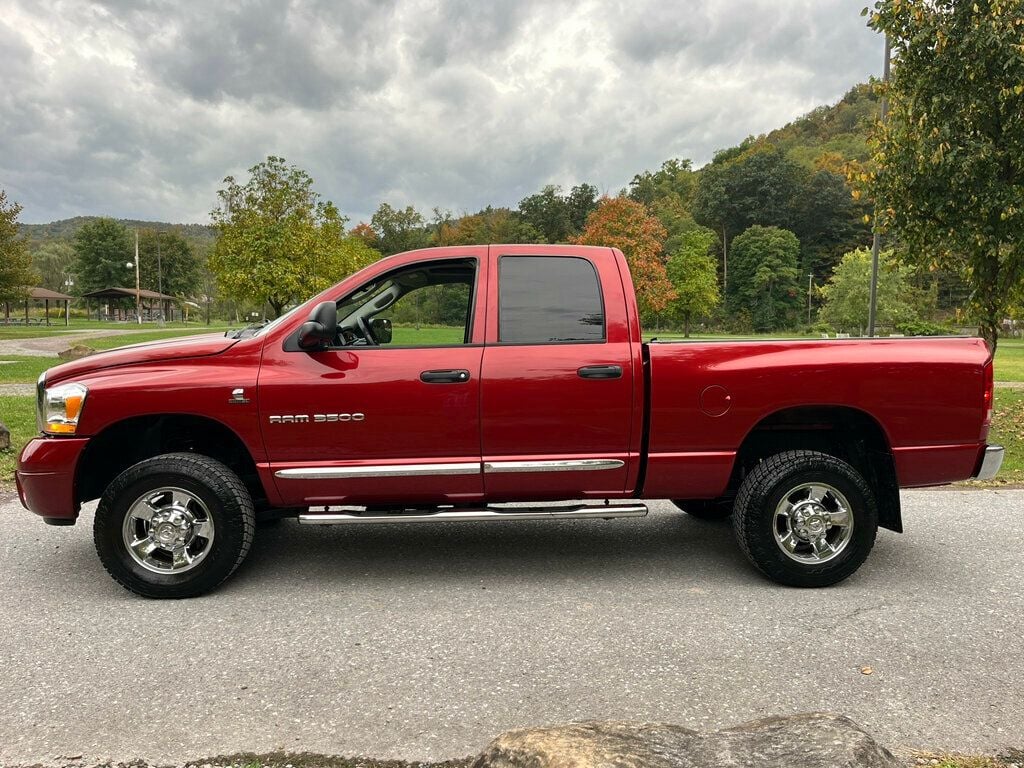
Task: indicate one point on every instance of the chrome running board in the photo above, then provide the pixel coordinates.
(342, 516)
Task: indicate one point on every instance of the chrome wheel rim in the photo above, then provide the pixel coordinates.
(813, 523)
(168, 530)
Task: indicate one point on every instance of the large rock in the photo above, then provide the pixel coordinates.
(5, 437)
(816, 740)
(76, 352)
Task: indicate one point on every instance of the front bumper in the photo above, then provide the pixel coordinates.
(991, 460)
(46, 477)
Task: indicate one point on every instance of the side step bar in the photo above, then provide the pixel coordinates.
(577, 512)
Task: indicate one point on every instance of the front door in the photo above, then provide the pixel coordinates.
(368, 421)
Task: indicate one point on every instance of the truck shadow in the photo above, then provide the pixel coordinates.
(658, 546)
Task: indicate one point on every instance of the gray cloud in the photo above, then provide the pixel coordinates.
(140, 109)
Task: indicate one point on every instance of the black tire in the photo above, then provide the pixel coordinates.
(775, 479)
(227, 503)
(705, 509)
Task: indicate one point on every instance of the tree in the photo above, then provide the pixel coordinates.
(694, 276)
(176, 271)
(399, 230)
(625, 224)
(846, 293)
(491, 225)
(827, 221)
(54, 262)
(581, 200)
(15, 262)
(754, 183)
(278, 241)
(949, 179)
(765, 276)
(548, 213)
(754, 186)
(103, 248)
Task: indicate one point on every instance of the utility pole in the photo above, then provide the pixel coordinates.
(810, 282)
(725, 263)
(160, 276)
(138, 293)
(876, 242)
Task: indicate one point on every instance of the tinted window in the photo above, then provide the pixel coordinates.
(545, 299)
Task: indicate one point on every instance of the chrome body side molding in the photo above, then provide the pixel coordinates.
(566, 465)
(461, 468)
(379, 470)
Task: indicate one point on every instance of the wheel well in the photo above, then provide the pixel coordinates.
(128, 442)
(846, 433)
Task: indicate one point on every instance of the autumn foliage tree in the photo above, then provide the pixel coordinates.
(625, 224)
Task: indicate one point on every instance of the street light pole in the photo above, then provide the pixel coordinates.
(876, 242)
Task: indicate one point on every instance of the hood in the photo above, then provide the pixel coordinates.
(148, 352)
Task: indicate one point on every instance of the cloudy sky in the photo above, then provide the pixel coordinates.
(139, 108)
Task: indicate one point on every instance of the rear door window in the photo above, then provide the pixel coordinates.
(549, 300)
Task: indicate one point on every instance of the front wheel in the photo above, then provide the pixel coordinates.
(805, 519)
(174, 525)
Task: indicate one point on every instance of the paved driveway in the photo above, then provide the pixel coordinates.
(423, 642)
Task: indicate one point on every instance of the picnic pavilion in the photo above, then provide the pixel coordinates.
(34, 296)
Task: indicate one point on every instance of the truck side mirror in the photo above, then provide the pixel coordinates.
(380, 327)
(320, 329)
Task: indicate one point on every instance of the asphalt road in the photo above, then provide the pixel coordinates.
(426, 641)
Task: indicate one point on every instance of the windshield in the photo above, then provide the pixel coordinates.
(257, 329)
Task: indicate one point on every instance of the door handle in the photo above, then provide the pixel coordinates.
(450, 376)
(600, 372)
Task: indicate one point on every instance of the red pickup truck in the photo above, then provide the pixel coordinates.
(545, 395)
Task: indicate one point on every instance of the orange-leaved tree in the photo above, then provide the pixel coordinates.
(619, 222)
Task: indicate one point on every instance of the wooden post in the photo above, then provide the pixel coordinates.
(47, 310)
(26, 313)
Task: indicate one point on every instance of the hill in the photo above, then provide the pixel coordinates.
(199, 236)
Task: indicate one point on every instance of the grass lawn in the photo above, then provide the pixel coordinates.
(425, 336)
(24, 369)
(57, 328)
(19, 414)
(1008, 431)
(1010, 360)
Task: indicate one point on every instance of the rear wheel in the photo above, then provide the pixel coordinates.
(805, 519)
(174, 525)
(705, 509)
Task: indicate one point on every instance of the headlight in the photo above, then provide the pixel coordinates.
(60, 407)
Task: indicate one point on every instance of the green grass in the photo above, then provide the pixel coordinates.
(1008, 431)
(19, 414)
(24, 370)
(1010, 360)
(425, 336)
(57, 328)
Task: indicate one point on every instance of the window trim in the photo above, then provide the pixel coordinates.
(600, 297)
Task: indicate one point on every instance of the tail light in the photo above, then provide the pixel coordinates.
(987, 399)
